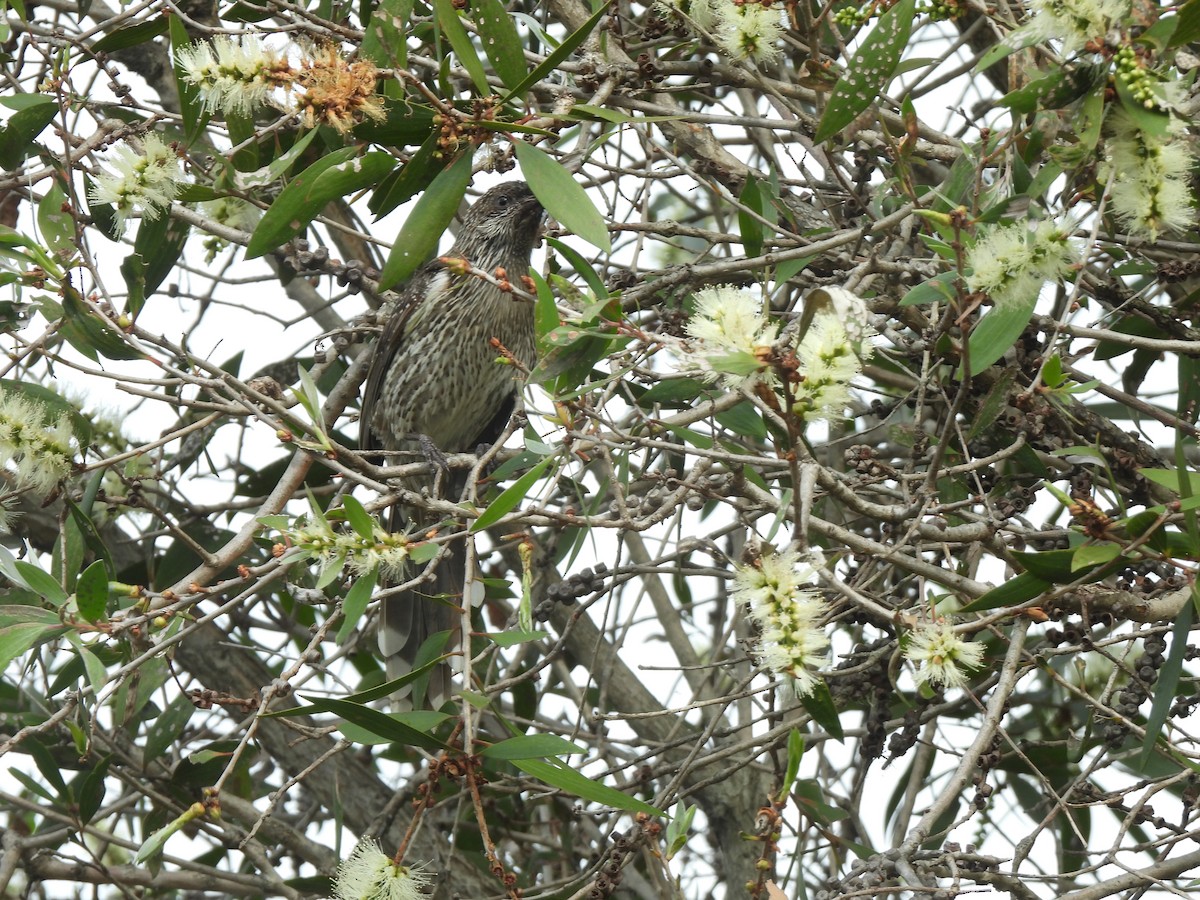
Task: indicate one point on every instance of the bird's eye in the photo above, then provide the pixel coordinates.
(502, 202)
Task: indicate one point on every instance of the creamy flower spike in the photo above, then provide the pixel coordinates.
(829, 361)
(941, 655)
(35, 449)
(749, 30)
(1010, 263)
(1073, 23)
(729, 334)
(1150, 193)
(787, 607)
(146, 175)
(370, 874)
(233, 75)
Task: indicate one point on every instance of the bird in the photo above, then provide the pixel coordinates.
(434, 385)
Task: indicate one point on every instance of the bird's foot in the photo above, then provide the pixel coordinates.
(433, 455)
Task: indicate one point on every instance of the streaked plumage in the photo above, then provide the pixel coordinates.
(434, 373)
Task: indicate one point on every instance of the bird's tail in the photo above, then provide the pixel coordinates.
(409, 619)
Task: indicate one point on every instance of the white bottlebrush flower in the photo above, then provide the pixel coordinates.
(729, 335)
(941, 655)
(146, 175)
(749, 30)
(1150, 193)
(829, 361)
(851, 309)
(370, 874)
(783, 602)
(35, 442)
(1010, 263)
(35, 449)
(359, 555)
(233, 75)
(1073, 23)
(698, 14)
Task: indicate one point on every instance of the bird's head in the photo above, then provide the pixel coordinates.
(501, 228)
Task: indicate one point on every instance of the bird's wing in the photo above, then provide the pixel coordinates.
(389, 343)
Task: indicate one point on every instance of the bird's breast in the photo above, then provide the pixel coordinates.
(445, 381)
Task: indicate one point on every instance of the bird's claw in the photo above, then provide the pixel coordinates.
(433, 455)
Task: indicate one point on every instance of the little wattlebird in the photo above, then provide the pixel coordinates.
(435, 384)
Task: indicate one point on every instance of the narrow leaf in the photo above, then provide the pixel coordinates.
(332, 176)
(577, 784)
(531, 746)
(1168, 681)
(511, 496)
(500, 41)
(355, 604)
(91, 592)
(562, 196)
(872, 66)
(561, 52)
(429, 217)
(996, 332)
(460, 42)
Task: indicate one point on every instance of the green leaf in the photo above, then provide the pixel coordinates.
(938, 289)
(356, 602)
(384, 41)
(676, 392)
(1087, 555)
(996, 332)
(531, 746)
(510, 497)
(380, 724)
(679, 827)
(190, 108)
(154, 844)
(562, 196)
(429, 217)
(789, 268)
(33, 113)
(336, 175)
(512, 638)
(460, 42)
(92, 788)
(408, 180)
(1055, 90)
(561, 52)
(156, 250)
(57, 227)
(872, 66)
(1174, 480)
(556, 774)
(582, 267)
(1187, 30)
(360, 520)
(41, 582)
(167, 726)
(1013, 592)
(1168, 681)
(132, 35)
(91, 592)
(819, 704)
(744, 419)
(751, 227)
(501, 43)
(16, 640)
(795, 752)
(88, 333)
